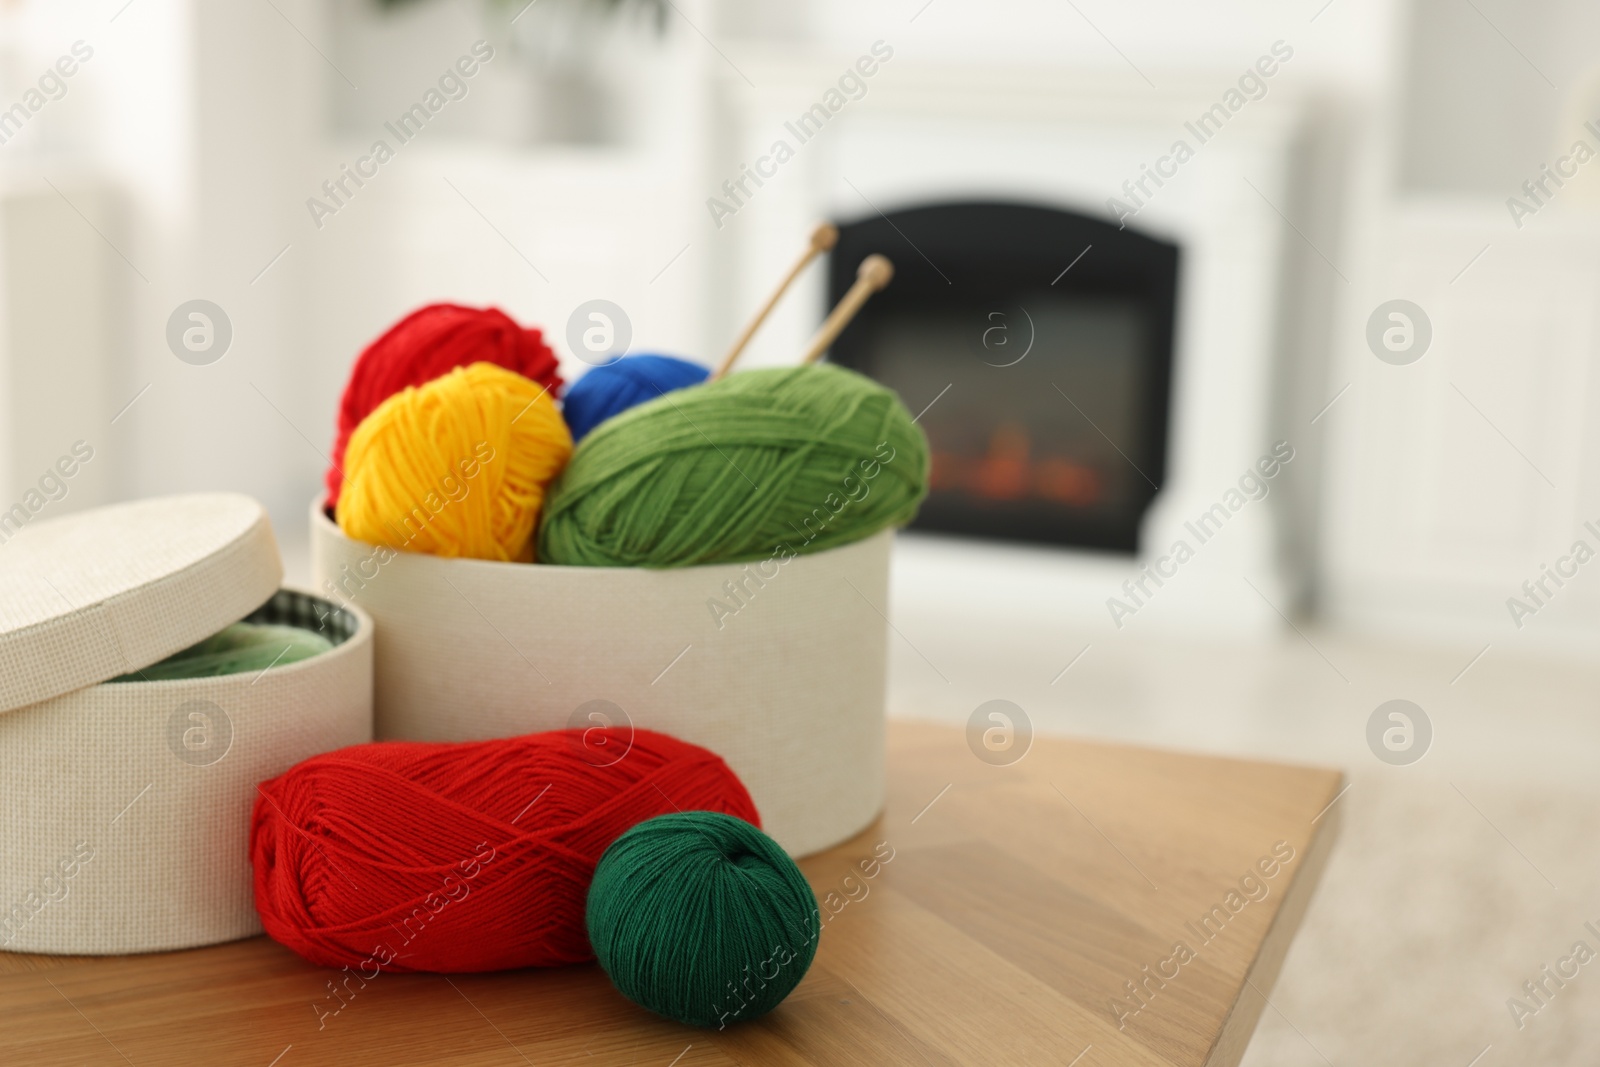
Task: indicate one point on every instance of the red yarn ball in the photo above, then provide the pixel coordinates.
(427, 344)
(405, 856)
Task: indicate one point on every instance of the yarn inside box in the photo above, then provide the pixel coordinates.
(710, 561)
(288, 629)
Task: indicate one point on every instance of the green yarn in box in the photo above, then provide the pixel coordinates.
(239, 648)
(703, 918)
(759, 464)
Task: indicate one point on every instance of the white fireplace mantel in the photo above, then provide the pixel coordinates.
(923, 134)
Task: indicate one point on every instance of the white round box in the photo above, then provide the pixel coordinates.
(127, 803)
(777, 667)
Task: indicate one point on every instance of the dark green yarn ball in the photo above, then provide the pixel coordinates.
(761, 464)
(701, 917)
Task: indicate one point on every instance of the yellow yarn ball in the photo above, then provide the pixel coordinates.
(457, 467)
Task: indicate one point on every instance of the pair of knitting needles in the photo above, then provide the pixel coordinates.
(874, 273)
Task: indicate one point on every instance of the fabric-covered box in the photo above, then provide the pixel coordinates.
(127, 803)
(777, 666)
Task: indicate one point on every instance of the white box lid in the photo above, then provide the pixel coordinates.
(104, 592)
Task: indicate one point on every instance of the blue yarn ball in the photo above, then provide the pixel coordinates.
(627, 382)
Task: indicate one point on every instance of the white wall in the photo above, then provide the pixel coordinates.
(1351, 44)
(1455, 479)
(58, 293)
(197, 117)
(1491, 89)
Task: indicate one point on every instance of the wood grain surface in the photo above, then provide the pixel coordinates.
(1014, 906)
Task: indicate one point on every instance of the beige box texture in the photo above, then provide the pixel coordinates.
(127, 803)
(778, 667)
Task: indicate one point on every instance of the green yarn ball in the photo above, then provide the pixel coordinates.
(761, 464)
(243, 647)
(701, 917)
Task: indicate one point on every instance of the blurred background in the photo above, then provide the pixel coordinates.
(1372, 268)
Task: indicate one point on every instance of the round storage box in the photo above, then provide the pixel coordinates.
(778, 667)
(127, 803)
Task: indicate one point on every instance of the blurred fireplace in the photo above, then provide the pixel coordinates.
(1039, 342)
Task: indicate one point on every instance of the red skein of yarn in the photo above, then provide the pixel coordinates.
(409, 856)
(427, 344)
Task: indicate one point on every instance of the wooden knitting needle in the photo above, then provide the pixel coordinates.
(874, 273)
(823, 238)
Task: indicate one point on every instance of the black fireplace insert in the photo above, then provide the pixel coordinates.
(1037, 345)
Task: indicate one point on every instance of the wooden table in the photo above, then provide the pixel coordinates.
(1018, 902)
